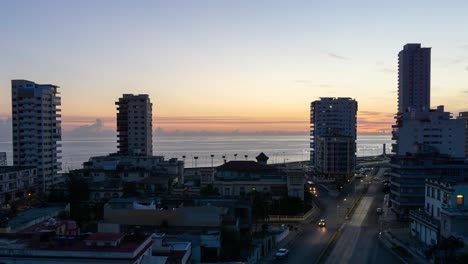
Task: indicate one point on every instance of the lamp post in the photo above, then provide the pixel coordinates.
(246, 156)
(195, 158)
(235, 156)
(212, 156)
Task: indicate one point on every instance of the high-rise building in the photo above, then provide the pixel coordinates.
(414, 77)
(134, 125)
(3, 159)
(37, 129)
(429, 142)
(333, 136)
(464, 116)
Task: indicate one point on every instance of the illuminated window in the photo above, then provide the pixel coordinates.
(459, 199)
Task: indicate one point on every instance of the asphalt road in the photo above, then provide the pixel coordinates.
(359, 241)
(312, 240)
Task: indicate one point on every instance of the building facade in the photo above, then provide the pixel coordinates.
(16, 182)
(414, 77)
(333, 127)
(445, 213)
(37, 129)
(335, 156)
(464, 116)
(408, 176)
(433, 128)
(134, 125)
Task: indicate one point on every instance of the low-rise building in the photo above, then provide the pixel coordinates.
(454, 213)
(408, 175)
(30, 218)
(16, 182)
(239, 177)
(46, 247)
(444, 215)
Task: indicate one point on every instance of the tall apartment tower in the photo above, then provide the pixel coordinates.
(414, 77)
(37, 129)
(333, 137)
(134, 125)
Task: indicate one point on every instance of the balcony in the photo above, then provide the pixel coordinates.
(421, 216)
(455, 211)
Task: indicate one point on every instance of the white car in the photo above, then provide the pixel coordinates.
(281, 253)
(379, 210)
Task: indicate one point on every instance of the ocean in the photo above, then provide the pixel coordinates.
(280, 148)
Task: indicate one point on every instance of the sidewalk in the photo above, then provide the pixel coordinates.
(395, 235)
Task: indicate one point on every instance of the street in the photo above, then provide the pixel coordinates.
(358, 243)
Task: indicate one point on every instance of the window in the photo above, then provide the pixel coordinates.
(460, 199)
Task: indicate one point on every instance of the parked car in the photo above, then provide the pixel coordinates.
(281, 253)
(379, 210)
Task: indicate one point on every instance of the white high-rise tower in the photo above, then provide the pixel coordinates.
(37, 129)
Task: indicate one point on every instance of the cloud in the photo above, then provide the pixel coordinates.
(388, 70)
(465, 91)
(466, 68)
(96, 129)
(336, 56)
(374, 122)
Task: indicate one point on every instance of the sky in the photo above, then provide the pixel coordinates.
(230, 65)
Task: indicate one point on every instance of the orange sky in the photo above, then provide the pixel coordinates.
(368, 122)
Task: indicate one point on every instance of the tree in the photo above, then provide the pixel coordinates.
(78, 189)
(260, 203)
(208, 190)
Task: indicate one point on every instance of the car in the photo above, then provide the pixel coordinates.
(281, 253)
(322, 223)
(385, 182)
(379, 210)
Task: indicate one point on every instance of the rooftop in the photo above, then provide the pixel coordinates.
(244, 165)
(34, 214)
(52, 245)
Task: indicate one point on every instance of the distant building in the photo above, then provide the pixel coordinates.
(464, 116)
(240, 177)
(16, 182)
(430, 128)
(3, 159)
(152, 175)
(134, 125)
(37, 129)
(333, 137)
(335, 156)
(444, 215)
(414, 77)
